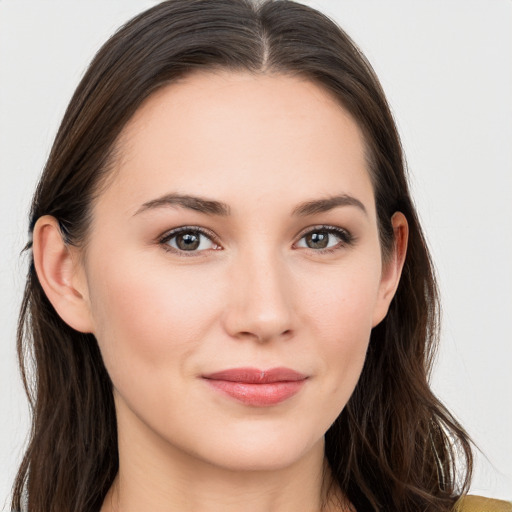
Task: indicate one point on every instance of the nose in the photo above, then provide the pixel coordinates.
(260, 299)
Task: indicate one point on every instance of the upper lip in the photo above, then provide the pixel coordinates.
(256, 376)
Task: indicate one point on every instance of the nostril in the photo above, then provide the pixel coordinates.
(262, 336)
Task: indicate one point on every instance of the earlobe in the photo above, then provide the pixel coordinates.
(60, 274)
(392, 268)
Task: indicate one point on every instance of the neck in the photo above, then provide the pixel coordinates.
(158, 477)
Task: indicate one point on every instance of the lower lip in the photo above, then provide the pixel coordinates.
(259, 395)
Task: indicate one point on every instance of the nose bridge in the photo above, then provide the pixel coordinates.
(261, 303)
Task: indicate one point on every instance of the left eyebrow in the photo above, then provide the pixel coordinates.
(324, 205)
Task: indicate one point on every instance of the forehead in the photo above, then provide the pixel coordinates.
(226, 134)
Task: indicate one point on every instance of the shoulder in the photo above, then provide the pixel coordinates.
(480, 504)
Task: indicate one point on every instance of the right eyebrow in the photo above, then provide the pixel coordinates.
(199, 204)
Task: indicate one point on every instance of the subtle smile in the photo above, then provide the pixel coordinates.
(259, 388)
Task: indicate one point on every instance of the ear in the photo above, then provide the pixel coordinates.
(392, 267)
(61, 274)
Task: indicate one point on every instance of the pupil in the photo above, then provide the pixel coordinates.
(188, 241)
(317, 240)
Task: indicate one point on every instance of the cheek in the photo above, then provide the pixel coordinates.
(149, 318)
(341, 316)
(343, 300)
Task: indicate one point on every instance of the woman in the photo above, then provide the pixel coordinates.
(231, 304)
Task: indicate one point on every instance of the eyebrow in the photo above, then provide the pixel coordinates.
(329, 203)
(212, 207)
(207, 206)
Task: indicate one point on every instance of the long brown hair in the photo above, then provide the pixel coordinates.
(394, 446)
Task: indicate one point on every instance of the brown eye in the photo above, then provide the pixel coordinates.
(317, 240)
(188, 240)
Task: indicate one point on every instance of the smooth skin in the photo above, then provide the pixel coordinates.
(265, 279)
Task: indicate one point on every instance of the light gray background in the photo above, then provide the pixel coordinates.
(447, 69)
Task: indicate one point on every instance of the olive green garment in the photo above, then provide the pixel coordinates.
(480, 504)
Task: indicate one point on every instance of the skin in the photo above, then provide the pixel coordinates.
(257, 295)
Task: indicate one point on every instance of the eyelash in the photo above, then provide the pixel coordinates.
(346, 239)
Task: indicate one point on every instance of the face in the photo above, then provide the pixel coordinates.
(233, 269)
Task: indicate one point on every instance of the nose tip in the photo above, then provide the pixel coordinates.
(260, 305)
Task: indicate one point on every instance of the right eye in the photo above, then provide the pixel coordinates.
(188, 239)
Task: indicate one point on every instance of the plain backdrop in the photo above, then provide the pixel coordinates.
(446, 66)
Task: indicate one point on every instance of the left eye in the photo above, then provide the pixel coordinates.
(189, 240)
(323, 239)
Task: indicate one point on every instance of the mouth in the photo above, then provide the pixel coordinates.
(255, 387)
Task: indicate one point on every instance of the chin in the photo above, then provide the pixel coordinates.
(265, 451)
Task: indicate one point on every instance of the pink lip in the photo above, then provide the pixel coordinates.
(261, 388)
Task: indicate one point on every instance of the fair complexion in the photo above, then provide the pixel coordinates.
(238, 229)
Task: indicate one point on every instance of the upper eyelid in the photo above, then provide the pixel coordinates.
(324, 227)
(176, 231)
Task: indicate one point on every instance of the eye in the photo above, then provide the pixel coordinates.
(188, 239)
(325, 238)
